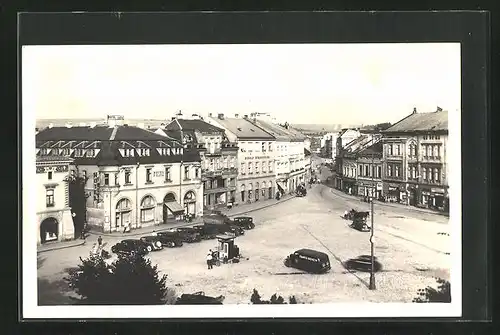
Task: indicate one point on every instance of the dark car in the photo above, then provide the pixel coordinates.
(188, 234)
(206, 231)
(359, 221)
(199, 298)
(215, 218)
(152, 243)
(245, 222)
(308, 260)
(129, 247)
(170, 239)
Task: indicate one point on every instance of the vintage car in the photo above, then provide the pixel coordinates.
(363, 263)
(188, 234)
(206, 231)
(130, 246)
(308, 260)
(301, 191)
(199, 298)
(152, 243)
(170, 239)
(359, 221)
(216, 217)
(245, 222)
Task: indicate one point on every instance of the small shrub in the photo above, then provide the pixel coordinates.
(274, 300)
(430, 294)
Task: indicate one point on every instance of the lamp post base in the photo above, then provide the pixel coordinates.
(372, 282)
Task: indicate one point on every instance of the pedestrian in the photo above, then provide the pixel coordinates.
(99, 241)
(209, 260)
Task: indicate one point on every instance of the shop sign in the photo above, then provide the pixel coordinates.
(437, 190)
(379, 186)
(392, 188)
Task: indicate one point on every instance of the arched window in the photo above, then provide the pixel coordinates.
(123, 205)
(190, 197)
(242, 187)
(170, 197)
(436, 151)
(436, 175)
(389, 170)
(148, 209)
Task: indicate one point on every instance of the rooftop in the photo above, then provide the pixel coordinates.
(198, 125)
(97, 133)
(279, 132)
(53, 159)
(243, 129)
(434, 121)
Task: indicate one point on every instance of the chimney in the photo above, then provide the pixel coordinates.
(439, 109)
(236, 115)
(173, 118)
(414, 110)
(51, 125)
(220, 116)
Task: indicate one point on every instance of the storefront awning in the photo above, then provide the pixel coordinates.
(174, 206)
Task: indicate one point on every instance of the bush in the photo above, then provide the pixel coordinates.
(130, 280)
(274, 300)
(430, 294)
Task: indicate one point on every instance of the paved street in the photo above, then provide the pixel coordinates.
(408, 245)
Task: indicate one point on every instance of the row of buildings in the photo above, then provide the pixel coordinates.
(137, 177)
(405, 163)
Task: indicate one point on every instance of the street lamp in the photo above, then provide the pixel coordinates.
(372, 241)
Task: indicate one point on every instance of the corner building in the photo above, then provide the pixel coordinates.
(133, 177)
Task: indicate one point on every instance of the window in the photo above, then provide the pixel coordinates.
(424, 174)
(127, 177)
(225, 165)
(84, 174)
(429, 151)
(390, 149)
(116, 179)
(360, 170)
(263, 146)
(106, 179)
(436, 151)
(49, 197)
(243, 171)
(147, 209)
(49, 175)
(379, 171)
(148, 175)
(436, 175)
(270, 166)
(398, 149)
(373, 171)
(366, 170)
(257, 170)
(212, 164)
(186, 172)
(389, 170)
(217, 163)
(270, 146)
(197, 172)
(232, 162)
(397, 170)
(250, 171)
(263, 167)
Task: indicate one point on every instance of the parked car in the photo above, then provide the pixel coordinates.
(188, 234)
(206, 231)
(130, 246)
(170, 239)
(308, 260)
(216, 217)
(153, 243)
(245, 222)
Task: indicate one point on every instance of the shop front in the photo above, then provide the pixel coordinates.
(370, 189)
(439, 199)
(396, 192)
(413, 195)
(425, 197)
(349, 186)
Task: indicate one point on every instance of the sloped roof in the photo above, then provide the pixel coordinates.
(434, 121)
(244, 129)
(307, 152)
(198, 125)
(53, 159)
(97, 133)
(279, 132)
(374, 149)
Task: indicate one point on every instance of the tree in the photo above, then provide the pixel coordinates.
(430, 294)
(275, 299)
(130, 280)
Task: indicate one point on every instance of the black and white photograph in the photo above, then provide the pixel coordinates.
(324, 178)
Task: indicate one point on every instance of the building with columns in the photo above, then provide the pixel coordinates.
(54, 219)
(134, 177)
(256, 157)
(219, 158)
(415, 168)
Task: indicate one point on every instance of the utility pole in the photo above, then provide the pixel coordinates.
(372, 241)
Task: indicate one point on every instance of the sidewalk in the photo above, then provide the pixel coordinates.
(59, 245)
(235, 211)
(393, 205)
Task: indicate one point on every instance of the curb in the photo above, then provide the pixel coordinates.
(187, 224)
(383, 204)
(58, 247)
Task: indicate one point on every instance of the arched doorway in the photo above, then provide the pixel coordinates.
(148, 205)
(49, 230)
(123, 213)
(169, 201)
(190, 203)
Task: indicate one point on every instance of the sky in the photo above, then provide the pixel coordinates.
(298, 83)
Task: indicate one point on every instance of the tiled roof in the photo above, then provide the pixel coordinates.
(434, 121)
(97, 133)
(199, 125)
(279, 132)
(244, 129)
(374, 149)
(176, 134)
